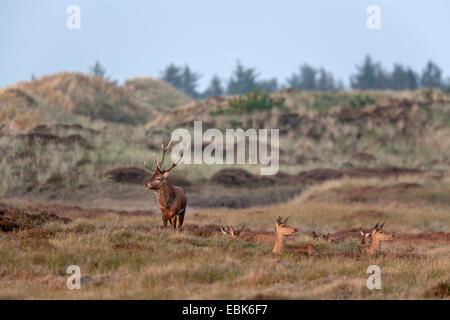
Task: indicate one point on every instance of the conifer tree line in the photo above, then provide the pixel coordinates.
(368, 75)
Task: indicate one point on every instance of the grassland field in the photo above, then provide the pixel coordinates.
(72, 193)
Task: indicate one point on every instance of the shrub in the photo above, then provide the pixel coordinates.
(250, 102)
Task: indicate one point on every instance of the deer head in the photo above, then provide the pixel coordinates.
(229, 230)
(364, 236)
(315, 236)
(379, 235)
(159, 177)
(282, 228)
(376, 235)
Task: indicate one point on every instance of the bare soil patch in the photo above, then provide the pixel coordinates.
(13, 219)
(366, 193)
(136, 175)
(370, 214)
(364, 156)
(75, 211)
(241, 178)
(432, 236)
(129, 175)
(45, 138)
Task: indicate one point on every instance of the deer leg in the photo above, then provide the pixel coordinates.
(173, 222)
(180, 221)
(164, 222)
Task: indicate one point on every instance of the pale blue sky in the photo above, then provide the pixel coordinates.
(139, 38)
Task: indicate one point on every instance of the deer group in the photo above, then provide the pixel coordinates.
(172, 203)
(375, 236)
(279, 238)
(370, 241)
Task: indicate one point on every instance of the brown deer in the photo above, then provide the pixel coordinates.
(171, 199)
(247, 235)
(279, 237)
(376, 235)
(229, 230)
(364, 236)
(281, 231)
(318, 237)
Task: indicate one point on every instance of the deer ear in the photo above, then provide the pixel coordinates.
(165, 174)
(361, 231)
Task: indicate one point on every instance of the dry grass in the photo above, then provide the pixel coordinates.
(114, 233)
(123, 256)
(155, 94)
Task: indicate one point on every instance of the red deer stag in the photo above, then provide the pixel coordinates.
(171, 199)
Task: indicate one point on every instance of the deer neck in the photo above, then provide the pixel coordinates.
(280, 242)
(374, 244)
(364, 241)
(165, 195)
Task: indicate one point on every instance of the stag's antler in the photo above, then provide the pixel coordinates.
(164, 150)
(181, 153)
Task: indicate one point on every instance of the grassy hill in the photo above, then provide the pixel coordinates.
(336, 129)
(20, 111)
(87, 131)
(155, 94)
(76, 98)
(71, 176)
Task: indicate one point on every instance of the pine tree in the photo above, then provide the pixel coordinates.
(215, 88)
(366, 75)
(293, 81)
(190, 82)
(382, 78)
(432, 76)
(98, 70)
(243, 80)
(305, 79)
(403, 78)
(325, 81)
(413, 79)
(172, 74)
(270, 85)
